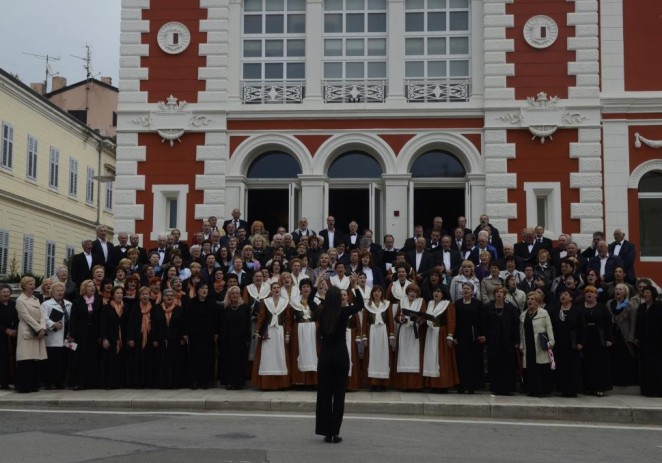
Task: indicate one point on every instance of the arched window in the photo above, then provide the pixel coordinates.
(436, 163)
(274, 164)
(650, 214)
(355, 164)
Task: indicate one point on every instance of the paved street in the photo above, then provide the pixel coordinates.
(55, 435)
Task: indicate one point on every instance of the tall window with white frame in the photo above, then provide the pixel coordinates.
(7, 146)
(73, 177)
(33, 147)
(273, 51)
(54, 168)
(355, 51)
(4, 252)
(109, 196)
(50, 258)
(172, 203)
(437, 50)
(28, 250)
(89, 186)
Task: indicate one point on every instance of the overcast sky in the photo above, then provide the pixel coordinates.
(60, 28)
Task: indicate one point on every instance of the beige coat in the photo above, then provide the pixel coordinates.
(31, 321)
(541, 324)
(626, 322)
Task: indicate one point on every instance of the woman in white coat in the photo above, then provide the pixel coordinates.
(536, 342)
(31, 347)
(56, 312)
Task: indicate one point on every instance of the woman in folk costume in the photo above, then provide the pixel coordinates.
(253, 294)
(288, 289)
(360, 284)
(397, 291)
(410, 339)
(297, 275)
(439, 365)
(379, 330)
(303, 351)
(340, 280)
(353, 339)
(274, 323)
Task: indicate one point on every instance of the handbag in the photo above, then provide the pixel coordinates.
(543, 340)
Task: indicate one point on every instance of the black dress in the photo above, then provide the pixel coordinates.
(596, 364)
(502, 333)
(171, 350)
(201, 328)
(537, 375)
(332, 369)
(468, 350)
(140, 358)
(649, 335)
(569, 330)
(234, 338)
(84, 329)
(8, 321)
(113, 360)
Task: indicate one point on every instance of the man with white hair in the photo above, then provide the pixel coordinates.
(303, 230)
(162, 250)
(604, 263)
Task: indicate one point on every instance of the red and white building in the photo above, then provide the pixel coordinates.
(390, 112)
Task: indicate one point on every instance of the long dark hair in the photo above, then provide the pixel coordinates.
(331, 311)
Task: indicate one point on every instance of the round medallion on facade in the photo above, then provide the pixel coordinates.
(174, 38)
(541, 31)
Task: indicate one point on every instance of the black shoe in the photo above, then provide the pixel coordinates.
(337, 439)
(5, 387)
(328, 439)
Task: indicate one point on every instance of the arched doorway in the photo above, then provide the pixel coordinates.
(438, 188)
(273, 194)
(355, 191)
(650, 214)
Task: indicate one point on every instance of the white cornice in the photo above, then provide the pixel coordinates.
(632, 102)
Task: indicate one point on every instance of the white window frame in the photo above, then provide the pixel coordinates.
(109, 196)
(364, 59)
(54, 168)
(264, 37)
(50, 259)
(89, 185)
(160, 196)
(7, 147)
(4, 252)
(426, 57)
(551, 193)
(32, 158)
(649, 258)
(73, 177)
(28, 253)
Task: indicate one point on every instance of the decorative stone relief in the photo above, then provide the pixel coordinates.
(171, 121)
(173, 38)
(638, 139)
(540, 31)
(543, 116)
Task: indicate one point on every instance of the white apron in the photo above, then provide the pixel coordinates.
(409, 348)
(348, 341)
(307, 338)
(431, 352)
(378, 361)
(272, 355)
(259, 296)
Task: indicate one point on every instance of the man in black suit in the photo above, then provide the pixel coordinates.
(592, 250)
(134, 240)
(604, 263)
(353, 237)
(181, 245)
(102, 248)
(332, 236)
(83, 263)
(541, 239)
(483, 245)
(420, 259)
(438, 226)
(560, 251)
(509, 250)
(527, 249)
(458, 243)
(485, 222)
(162, 250)
(462, 223)
(448, 257)
(119, 252)
(573, 252)
(434, 243)
(303, 230)
(626, 251)
(236, 220)
(388, 253)
(410, 243)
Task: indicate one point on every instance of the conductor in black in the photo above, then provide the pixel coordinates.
(333, 364)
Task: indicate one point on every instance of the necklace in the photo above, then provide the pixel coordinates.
(234, 307)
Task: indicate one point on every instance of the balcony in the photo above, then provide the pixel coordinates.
(354, 91)
(437, 91)
(272, 91)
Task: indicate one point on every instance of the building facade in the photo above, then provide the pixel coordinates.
(389, 112)
(49, 198)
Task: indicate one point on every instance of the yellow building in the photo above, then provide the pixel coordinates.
(54, 187)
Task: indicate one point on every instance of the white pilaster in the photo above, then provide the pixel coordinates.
(611, 44)
(617, 145)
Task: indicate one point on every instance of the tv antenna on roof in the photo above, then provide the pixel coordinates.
(49, 70)
(88, 62)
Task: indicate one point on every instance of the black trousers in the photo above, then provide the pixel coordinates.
(27, 375)
(57, 366)
(332, 370)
